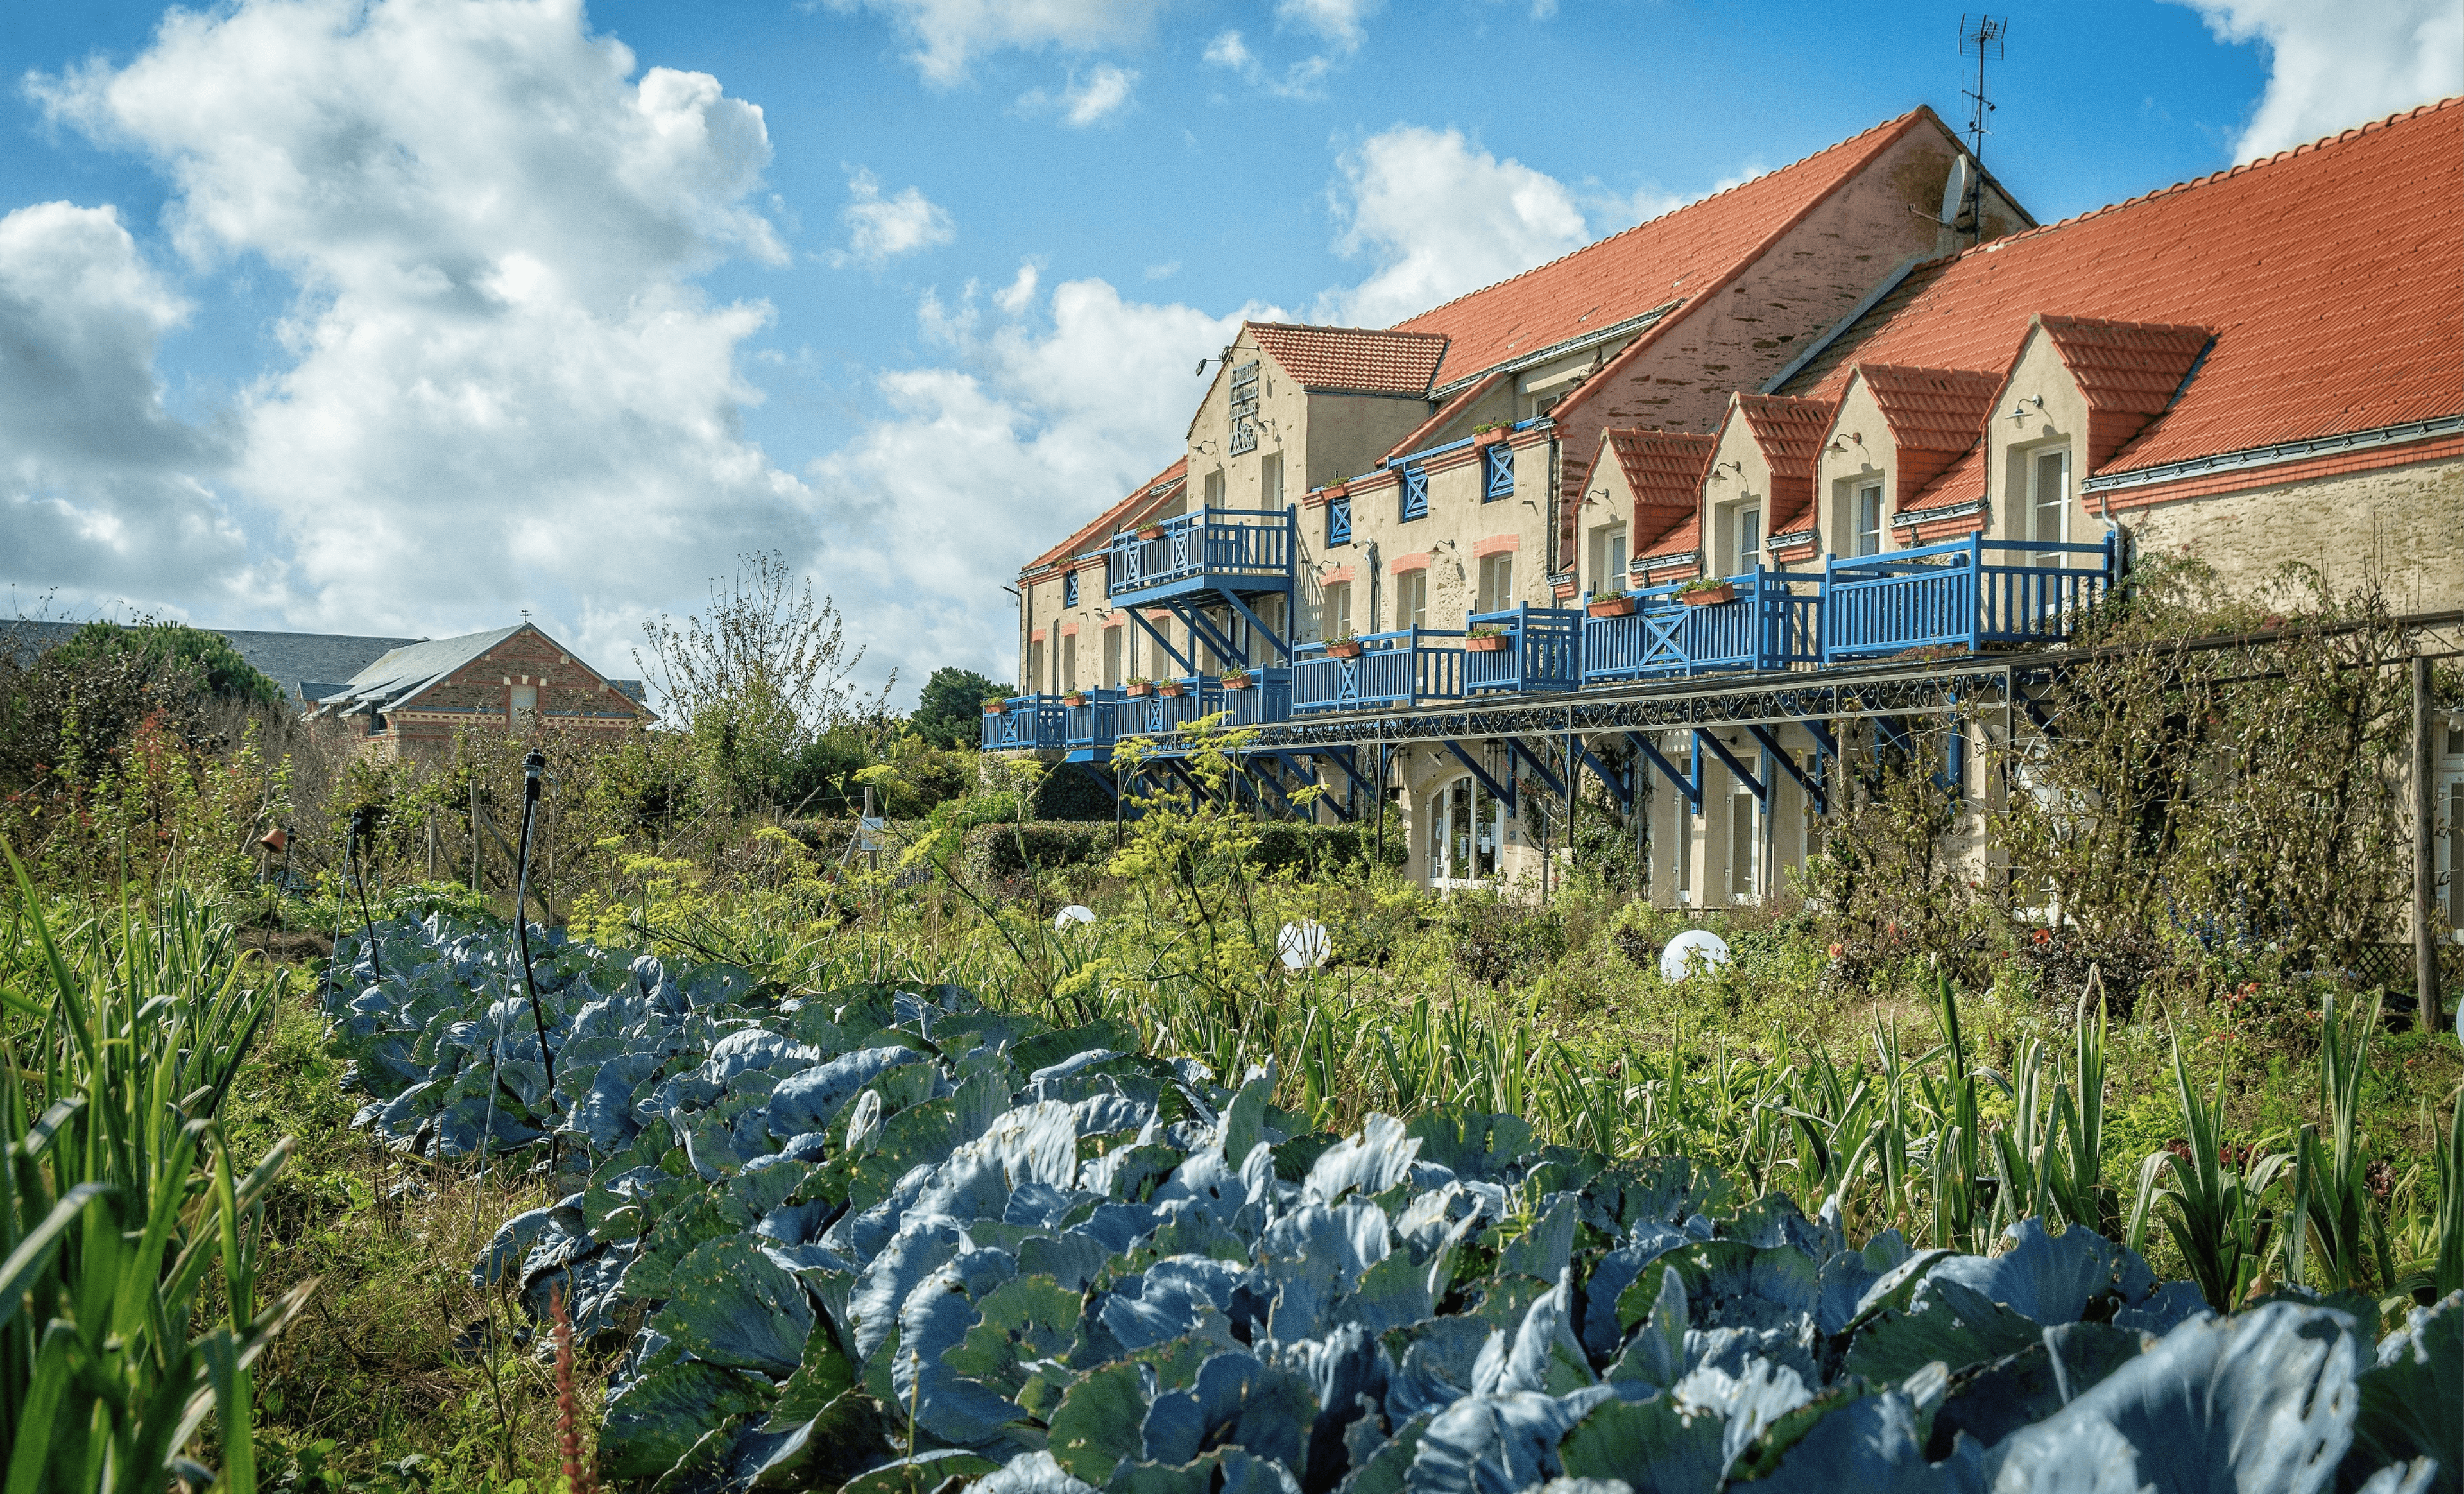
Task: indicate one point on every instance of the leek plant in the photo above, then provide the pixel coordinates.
(2209, 1206)
(2333, 1220)
(123, 1216)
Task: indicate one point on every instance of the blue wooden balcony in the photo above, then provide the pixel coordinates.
(1026, 722)
(1239, 550)
(1771, 623)
(1541, 653)
(1090, 724)
(1404, 670)
(1268, 700)
(1158, 714)
(1949, 594)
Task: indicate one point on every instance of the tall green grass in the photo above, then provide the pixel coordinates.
(128, 1232)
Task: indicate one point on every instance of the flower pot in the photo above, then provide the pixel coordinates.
(1240, 682)
(1487, 438)
(1493, 645)
(1140, 691)
(1151, 532)
(994, 709)
(1073, 702)
(1169, 692)
(1709, 596)
(1611, 606)
(1343, 650)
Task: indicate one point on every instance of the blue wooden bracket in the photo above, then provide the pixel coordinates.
(1162, 642)
(1539, 769)
(1620, 785)
(1504, 796)
(1691, 787)
(1308, 776)
(1341, 757)
(1719, 750)
(1204, 628)
(1271, 783)
(1257, 623)
(1788, 765)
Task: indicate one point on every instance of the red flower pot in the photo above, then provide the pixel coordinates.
(1493, 645)
(1612, 606)
(1709, 595)
(1343, 650)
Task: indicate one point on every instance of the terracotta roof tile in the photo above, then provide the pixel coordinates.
(1664, 470)
(1357, 359)
(2332, 276)
(1684, 540)
(1625, 275)
(1932, 409)
(1143, 498)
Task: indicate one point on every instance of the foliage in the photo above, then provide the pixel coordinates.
(206, 660)
(124, 1211)
(950, 712)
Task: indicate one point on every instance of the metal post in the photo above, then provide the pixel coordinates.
(2425, 864)
(1574, 772)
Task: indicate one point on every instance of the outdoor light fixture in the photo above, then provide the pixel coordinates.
(2020, 410)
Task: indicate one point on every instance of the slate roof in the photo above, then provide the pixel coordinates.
(402, 673)
(1680, 253)
(1142, 499)
(1352, 360)
(2331, 275)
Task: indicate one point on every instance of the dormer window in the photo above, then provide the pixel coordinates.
(1867, 519)
(1749, 539)
(2049, 495)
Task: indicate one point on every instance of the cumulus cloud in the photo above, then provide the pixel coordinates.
(948, 36)
(1105, 92)
(1046, 413)
(502, 387)
(102, 493)
(1440, 216)
(1339, 23)
(1339, 27)
(2333, 67)
(883, 228)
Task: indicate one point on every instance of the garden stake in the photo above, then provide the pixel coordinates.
(532, 765)
(363, 824)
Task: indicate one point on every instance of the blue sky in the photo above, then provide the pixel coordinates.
(397, 318)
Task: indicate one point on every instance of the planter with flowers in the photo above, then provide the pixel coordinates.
(1613, 604)
(1139, 688)
(1486, 639)
(1343, 646)
(1237, 679)
(1706, 592)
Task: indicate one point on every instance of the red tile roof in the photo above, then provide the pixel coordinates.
(1664, 470)
(1143, 498)
(1935, 415)
(1789, 432)
(2332, 276)
(1678, 254)
(2128, 372)
(1355, 360)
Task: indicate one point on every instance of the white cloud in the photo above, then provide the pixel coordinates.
(1106, 92)
(1339, 23)
(1228, 50)
(883, 228)
(1164, 271)
(2332, 67)
(1046, 415)
(950, 35)
(101, 490)
(1440, 216)
(502, 388)
(1610, 211)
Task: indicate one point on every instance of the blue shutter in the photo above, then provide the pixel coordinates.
(1338, 521)
(1415, 494)
(1497, 471)
(1069, 589)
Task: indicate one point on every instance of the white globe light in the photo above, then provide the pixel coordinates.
(1075, 912)
(1694, 948)
(1304, 945)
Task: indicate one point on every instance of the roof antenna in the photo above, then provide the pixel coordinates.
(1980, 37)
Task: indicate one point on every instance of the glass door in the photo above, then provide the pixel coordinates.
(1466, 831)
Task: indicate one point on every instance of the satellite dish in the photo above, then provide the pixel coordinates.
(1955, 190)
(1075, 912)
(1696, 949)
(1304, 945)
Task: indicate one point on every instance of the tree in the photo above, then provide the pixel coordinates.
(212, 665)
(951, 713)
(765, 673)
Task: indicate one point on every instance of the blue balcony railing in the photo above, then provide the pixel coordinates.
(1090, 724)
(1947, 594)
(1268, 699)
(1026, 721)
(1541, 653)
(1158, 714)
(1207, 547)
(1403, 668)
(1771, 623)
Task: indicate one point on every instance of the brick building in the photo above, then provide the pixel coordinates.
(411, 701)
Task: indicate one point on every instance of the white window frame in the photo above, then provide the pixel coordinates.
(1497, 581)
(1334, 609)
(1750, 537)
(1609, 558)
(1858, 531)
(2060, 506)
(1441, 869)
(1411, 598)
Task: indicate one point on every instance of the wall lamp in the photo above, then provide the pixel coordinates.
(2020, 410)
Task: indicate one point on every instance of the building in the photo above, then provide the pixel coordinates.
(412, 700)
(1649, 512)
(297, 662)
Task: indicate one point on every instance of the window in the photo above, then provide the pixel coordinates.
(1034, 668)
(1466, 825)
(1215, 489)
(1411, 599)
(1744, 859)
(2451, 871)
(1070, 588)
(1608, 558)
(1270, 480)
(1070, 662)
(1496, 473)
(1244, 409)
(2049, 495)
(525, 706)
(1334, 612)
(1414, 493)
(1497, 581)
(1812, 761)
(1338, 520)
(1113, 658)
(1868, 519)
(1749, 539)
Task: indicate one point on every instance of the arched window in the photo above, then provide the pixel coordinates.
(1466, 830)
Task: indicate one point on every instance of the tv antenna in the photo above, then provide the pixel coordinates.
(1980, 37)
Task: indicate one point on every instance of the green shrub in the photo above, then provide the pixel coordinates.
(1316, 849)
(996, 851)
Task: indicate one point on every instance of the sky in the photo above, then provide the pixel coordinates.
(406, 316)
